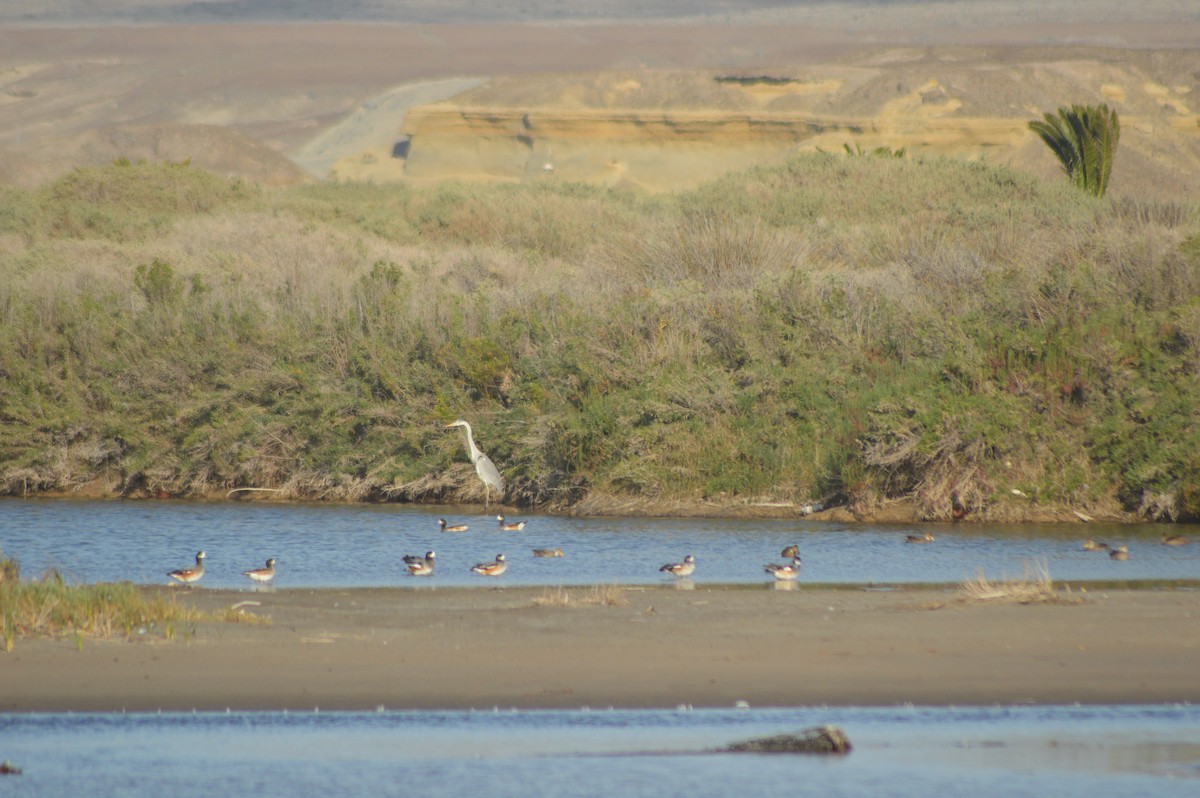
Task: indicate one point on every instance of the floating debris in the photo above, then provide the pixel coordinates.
(817, 740)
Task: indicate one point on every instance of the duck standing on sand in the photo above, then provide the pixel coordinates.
(190, 576)
(786, 572)
(505, 526)
(926, 538)
(493, 568)
(452, 527)
(418, 565)
(262, 575)
(680, 569)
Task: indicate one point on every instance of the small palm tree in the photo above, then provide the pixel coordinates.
(1084, 138)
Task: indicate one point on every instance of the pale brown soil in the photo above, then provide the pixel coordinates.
(261, 99)
(463, 648)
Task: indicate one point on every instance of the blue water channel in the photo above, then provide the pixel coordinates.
(908, 752)
(363, 545)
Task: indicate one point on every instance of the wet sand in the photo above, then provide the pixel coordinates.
(506, 647)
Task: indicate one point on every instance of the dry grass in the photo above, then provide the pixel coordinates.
(1035, 587)
(595, 596)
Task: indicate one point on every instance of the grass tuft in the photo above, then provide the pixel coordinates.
(1036, 587)
(50, 607)
(595, 596)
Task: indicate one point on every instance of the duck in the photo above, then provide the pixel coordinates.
(1091, 545)
(493, 568)
(452, 527)
(1174, 540)
(790, 552)
(926, 538)
(190, 576)
(680, 569)
(547, 552)
(515, 526)
(418, 565)
(1119, 553)
(264, 574)
(785, 572)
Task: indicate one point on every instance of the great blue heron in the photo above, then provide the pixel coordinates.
(262, 575)
(484, 467)
(190, 576)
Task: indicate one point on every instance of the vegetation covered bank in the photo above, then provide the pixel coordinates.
(844, 329)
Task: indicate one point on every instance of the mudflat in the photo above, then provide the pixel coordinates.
(461, 648)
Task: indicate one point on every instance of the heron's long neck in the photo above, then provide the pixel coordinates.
(471, 447)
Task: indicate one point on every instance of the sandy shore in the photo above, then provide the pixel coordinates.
(464, 648)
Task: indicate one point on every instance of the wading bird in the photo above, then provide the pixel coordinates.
(505, 526)
(784, 573)
(189, 576)
(451, 527)
(418, 565)
(680, 569)
(493, 568)
(484, 467)
(262, 575)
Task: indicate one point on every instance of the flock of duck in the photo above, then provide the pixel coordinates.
(423, 565)
(1121, 552)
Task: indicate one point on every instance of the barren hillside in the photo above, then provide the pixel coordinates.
(659, 95)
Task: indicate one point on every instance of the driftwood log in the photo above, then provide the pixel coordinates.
(817, 740)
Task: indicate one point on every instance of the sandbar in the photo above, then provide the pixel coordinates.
(659, 647)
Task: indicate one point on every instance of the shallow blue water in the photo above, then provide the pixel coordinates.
(362, 545)
(898, 751)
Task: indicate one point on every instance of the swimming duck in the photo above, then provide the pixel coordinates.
(418, 565)
(515, 526)
(1091, 545)
(190, 576)
(926, 538)
(493, 568)
(1174, 540)
(452, 527)
(785, 572)
(1119, 553)
(263, 575)
(547, 552)
(680, 569)
(791, 552)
